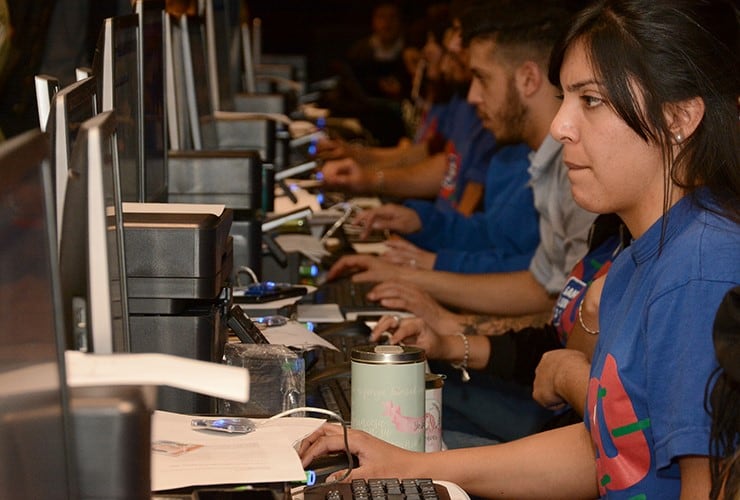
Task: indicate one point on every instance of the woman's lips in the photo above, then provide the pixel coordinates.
(574, 166)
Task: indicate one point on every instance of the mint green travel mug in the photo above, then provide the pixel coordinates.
(388, 393)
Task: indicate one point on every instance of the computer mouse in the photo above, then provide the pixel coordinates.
(325, 465)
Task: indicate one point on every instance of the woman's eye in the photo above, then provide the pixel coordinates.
(591, 101)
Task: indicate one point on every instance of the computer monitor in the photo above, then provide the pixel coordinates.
(83, 72)
(200, 110)
(46, 86)
(223, 19)
(116, 66)
(70, 107)
(152, 64)
(37, 458)
(92, 262)
(256, 41)
(178, 125)
(250, 81)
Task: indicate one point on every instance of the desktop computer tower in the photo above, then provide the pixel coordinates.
(112, 441)
(233, 178)
(195, 332)
(178, 268)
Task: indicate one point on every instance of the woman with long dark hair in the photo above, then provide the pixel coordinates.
(649, 127)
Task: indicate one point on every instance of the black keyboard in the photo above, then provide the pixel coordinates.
(328, 382)
(335, 394)
(371, 489)
(349, 296)
(345, 337)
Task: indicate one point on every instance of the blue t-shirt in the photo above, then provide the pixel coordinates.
(428, 129)
(468, 149)
(501, 238)
(645, 405)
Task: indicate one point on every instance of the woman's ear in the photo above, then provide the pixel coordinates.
(684, 117)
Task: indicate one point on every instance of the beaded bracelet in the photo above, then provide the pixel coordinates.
(463, 367)
(580, 321)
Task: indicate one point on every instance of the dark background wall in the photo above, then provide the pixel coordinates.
(320, 29)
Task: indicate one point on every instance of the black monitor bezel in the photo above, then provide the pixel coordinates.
(79, 272)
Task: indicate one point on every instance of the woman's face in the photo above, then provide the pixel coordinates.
(610, 167)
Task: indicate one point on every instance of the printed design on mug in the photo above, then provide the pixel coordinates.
(431, 423)
(401, 423)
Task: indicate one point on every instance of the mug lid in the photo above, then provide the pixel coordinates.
(387, 354)
(434, 380)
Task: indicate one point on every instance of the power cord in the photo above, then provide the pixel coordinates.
(334, 416)
(246, 270)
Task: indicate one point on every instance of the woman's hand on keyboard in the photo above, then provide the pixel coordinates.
(416, 332)
(345, 174)
(398, 295)
(365, 268)
(388, 217)
(404, 253)
(376, 458)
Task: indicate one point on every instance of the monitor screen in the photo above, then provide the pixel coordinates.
(70, 106)
(36, 459)
(94, 294)
(116, 66)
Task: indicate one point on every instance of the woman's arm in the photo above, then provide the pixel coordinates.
(695, 477)
(554, 464)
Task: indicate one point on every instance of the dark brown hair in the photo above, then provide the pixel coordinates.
(670, 51)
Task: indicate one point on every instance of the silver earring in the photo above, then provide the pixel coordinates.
(679, 138)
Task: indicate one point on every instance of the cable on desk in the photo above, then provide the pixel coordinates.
(246, 270)
(333, 415)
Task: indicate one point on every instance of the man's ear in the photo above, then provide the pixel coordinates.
(684, 117)
(529, 78)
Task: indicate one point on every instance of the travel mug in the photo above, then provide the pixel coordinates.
(388, 393)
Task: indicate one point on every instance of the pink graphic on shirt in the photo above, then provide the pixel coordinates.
(401, 423)
(449, 183)
(620, 430)
(427, 130)
(570, 298)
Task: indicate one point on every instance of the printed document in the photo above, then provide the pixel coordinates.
(184, 457)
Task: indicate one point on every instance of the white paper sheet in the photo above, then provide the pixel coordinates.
(294, 334)
(307, 244)
(184, 457)
(319, 313)
(305, 199)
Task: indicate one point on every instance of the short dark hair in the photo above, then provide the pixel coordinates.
(672, 51)
(527, 28)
